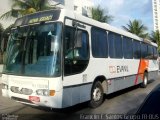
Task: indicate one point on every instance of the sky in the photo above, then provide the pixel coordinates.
(121, 10)
(125, 10)
(5, 5)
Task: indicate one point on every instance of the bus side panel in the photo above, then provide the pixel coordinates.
(122, 74)
(153, 75)
(153, 69)
(76, 94)
(122, 83)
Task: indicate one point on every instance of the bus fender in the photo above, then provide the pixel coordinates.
(103, 81)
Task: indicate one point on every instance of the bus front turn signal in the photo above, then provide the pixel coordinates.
(52, 92)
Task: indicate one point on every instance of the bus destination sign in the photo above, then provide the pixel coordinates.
(45, 18)
(51, 15)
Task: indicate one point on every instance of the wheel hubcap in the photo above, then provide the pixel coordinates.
(97, 94)
(145, 80)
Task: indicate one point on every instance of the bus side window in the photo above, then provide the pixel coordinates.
(127, 48)
(115, 45)
(136, 49)
(99, 43)
(118, 46)
(76, 51)
(111, 39)
(144, 50)
(155, 53)
(150, 54)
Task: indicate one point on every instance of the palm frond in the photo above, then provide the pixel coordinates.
(101, 15)
(20, 4)
(23, 7)
(6, 15)
(136, 27)
(125, 28)
(1, 28)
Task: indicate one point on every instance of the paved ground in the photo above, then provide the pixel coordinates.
(123, 102)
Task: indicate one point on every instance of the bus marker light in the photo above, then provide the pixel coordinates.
(34, 98)
(109, 82)
(52, 92)
(4, 86)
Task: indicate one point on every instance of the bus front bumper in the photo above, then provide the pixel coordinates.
(35, 100)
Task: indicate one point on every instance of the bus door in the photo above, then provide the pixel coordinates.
(76, 59)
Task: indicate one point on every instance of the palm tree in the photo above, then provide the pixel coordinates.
(1, 34)
(7, 31)
(23, 7)
(136, 27)
(99, 14)
(155, 37)
(1, 31)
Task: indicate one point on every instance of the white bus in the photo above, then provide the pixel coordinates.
(58, 59)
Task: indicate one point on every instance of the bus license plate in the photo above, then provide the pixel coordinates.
(34, 98)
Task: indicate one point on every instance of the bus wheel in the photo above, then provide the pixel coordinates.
(96, 95)
(145, 80)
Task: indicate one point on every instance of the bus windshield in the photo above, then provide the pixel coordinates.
(34, 50)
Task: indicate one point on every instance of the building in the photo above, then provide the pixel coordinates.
(83, 7)
(80, 6)
(156, 14)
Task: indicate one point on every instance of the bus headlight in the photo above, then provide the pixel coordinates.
(4, 86)
(42, 92)
(46, 92)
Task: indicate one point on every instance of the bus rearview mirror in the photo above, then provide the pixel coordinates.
(78, 41)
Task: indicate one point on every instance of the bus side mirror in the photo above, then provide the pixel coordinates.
(78, 41)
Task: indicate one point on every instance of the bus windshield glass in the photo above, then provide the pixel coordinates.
(34, 50)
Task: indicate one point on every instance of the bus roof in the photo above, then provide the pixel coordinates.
(56, 14)
(112, 29)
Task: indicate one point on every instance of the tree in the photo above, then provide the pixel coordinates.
(7, 30)
(155, 37)
(4, 42)
(99, 14)
(1, 30)
(23, 7)
(1, 34)
(136, 27)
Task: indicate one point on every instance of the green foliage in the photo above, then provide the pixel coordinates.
(1, 31)
(7, 31)
(1, 34)
(155, 37)
(101, 15)
(1, 28)
(136, 27)
(21, 8)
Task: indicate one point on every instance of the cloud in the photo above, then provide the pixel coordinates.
(147, 8)
(125, 10)
(111, 5)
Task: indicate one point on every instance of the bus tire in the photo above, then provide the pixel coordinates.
(96, 95)
(145, 80)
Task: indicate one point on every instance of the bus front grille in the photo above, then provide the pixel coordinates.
(21, 100)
